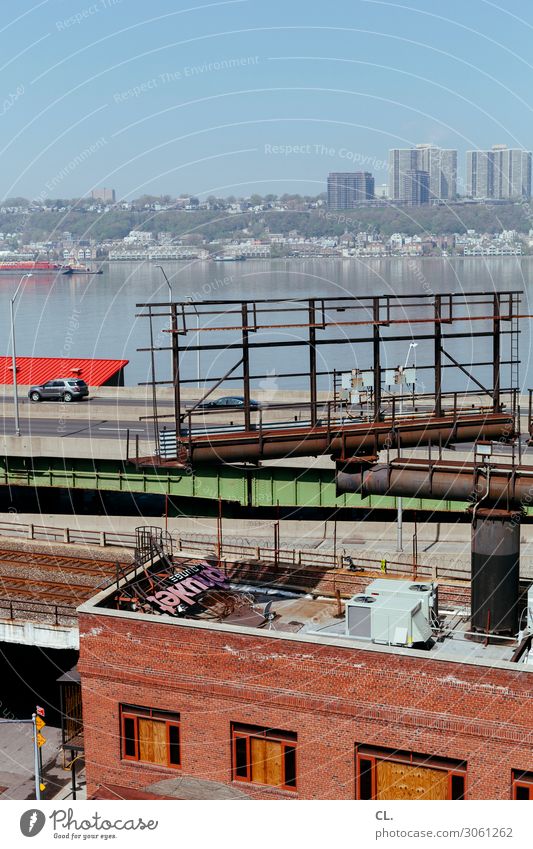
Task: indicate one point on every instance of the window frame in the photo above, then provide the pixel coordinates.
(373, 755)
(134, 713)
(521, 778)
(286, 739)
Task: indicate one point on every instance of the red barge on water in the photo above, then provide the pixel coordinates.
(30, 267)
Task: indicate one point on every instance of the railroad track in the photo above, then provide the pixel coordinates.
(35, 589)
(82, 565)
(11, 587)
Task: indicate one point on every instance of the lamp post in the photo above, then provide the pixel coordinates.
(14, 353)
(399, 518)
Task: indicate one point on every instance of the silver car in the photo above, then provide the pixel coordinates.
(61, 389)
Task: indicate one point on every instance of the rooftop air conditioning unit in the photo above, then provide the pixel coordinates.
(426, 592)
(358, 617)
(388, 620)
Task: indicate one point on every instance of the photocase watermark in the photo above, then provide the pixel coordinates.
(188, 71)
(9, 101)
(32, 822)
(210, 287)
(309, 149)
(86, 13)
(338, 217)
(64, 824)
(73, 325)
(414, 267)
(67, 169)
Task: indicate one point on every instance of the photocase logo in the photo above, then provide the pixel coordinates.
(32, 822)
(269, 387)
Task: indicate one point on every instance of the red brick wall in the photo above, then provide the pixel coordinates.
(332, 697)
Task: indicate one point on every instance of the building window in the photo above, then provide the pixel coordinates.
(150, 736)
(523, 785)
(264, 756)
(389, 774)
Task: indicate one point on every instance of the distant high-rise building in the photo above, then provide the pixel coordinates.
(440, 164)
(500, 173)
(415, 187)
(349, 188)
(105, 195)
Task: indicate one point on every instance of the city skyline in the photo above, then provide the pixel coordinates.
(154, 102)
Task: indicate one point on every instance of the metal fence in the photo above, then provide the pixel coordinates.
(202, 544)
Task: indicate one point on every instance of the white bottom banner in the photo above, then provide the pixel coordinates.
(175, 823)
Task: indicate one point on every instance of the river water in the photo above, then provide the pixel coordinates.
(96, 316)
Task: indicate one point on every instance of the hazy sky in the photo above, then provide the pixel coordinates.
(243, 96)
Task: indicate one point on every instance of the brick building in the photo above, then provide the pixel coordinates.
(277, 702)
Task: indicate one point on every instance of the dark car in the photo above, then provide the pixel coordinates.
(228, 402)
(61, 389)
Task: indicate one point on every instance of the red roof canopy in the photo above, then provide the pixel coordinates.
(37, 370)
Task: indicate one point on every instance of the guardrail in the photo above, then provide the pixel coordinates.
(46, 533)
(57, 611)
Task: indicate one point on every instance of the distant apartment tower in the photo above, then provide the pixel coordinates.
(105, 195)
(415, 187)
(439, 163)
(349, 188)
(501, 173)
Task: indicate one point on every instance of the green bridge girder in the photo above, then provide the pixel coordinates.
(266, 486)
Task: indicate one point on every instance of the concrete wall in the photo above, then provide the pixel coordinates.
(38, 634)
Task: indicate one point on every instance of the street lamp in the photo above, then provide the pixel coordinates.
(399, 519)
(411, 346)
(198, 373)
(14, 353)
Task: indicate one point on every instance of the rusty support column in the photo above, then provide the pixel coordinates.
(496, 376)
(438, 355)
(176, 368)
(246, 368)
(154, 389)
(377, 360)
(312, 362)
(219, 531)
(495, 571)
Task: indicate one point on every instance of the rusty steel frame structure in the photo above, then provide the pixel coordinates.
(431, 317)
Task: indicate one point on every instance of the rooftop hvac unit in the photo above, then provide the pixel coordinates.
(388, 620)
(426, 592)
(358, 617)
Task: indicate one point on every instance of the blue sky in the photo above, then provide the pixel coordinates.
(243, 96)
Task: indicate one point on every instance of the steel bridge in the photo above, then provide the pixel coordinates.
(265, 486)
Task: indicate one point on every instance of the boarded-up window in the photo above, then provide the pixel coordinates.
(387, 774)
(152, 741)
(264, 756)
(150, 736)
(403, 781)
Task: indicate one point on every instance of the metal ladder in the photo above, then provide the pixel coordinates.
(515, 346)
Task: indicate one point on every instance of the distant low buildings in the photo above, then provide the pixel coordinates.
(158, 253)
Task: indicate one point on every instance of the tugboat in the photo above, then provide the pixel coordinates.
(76, 268)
